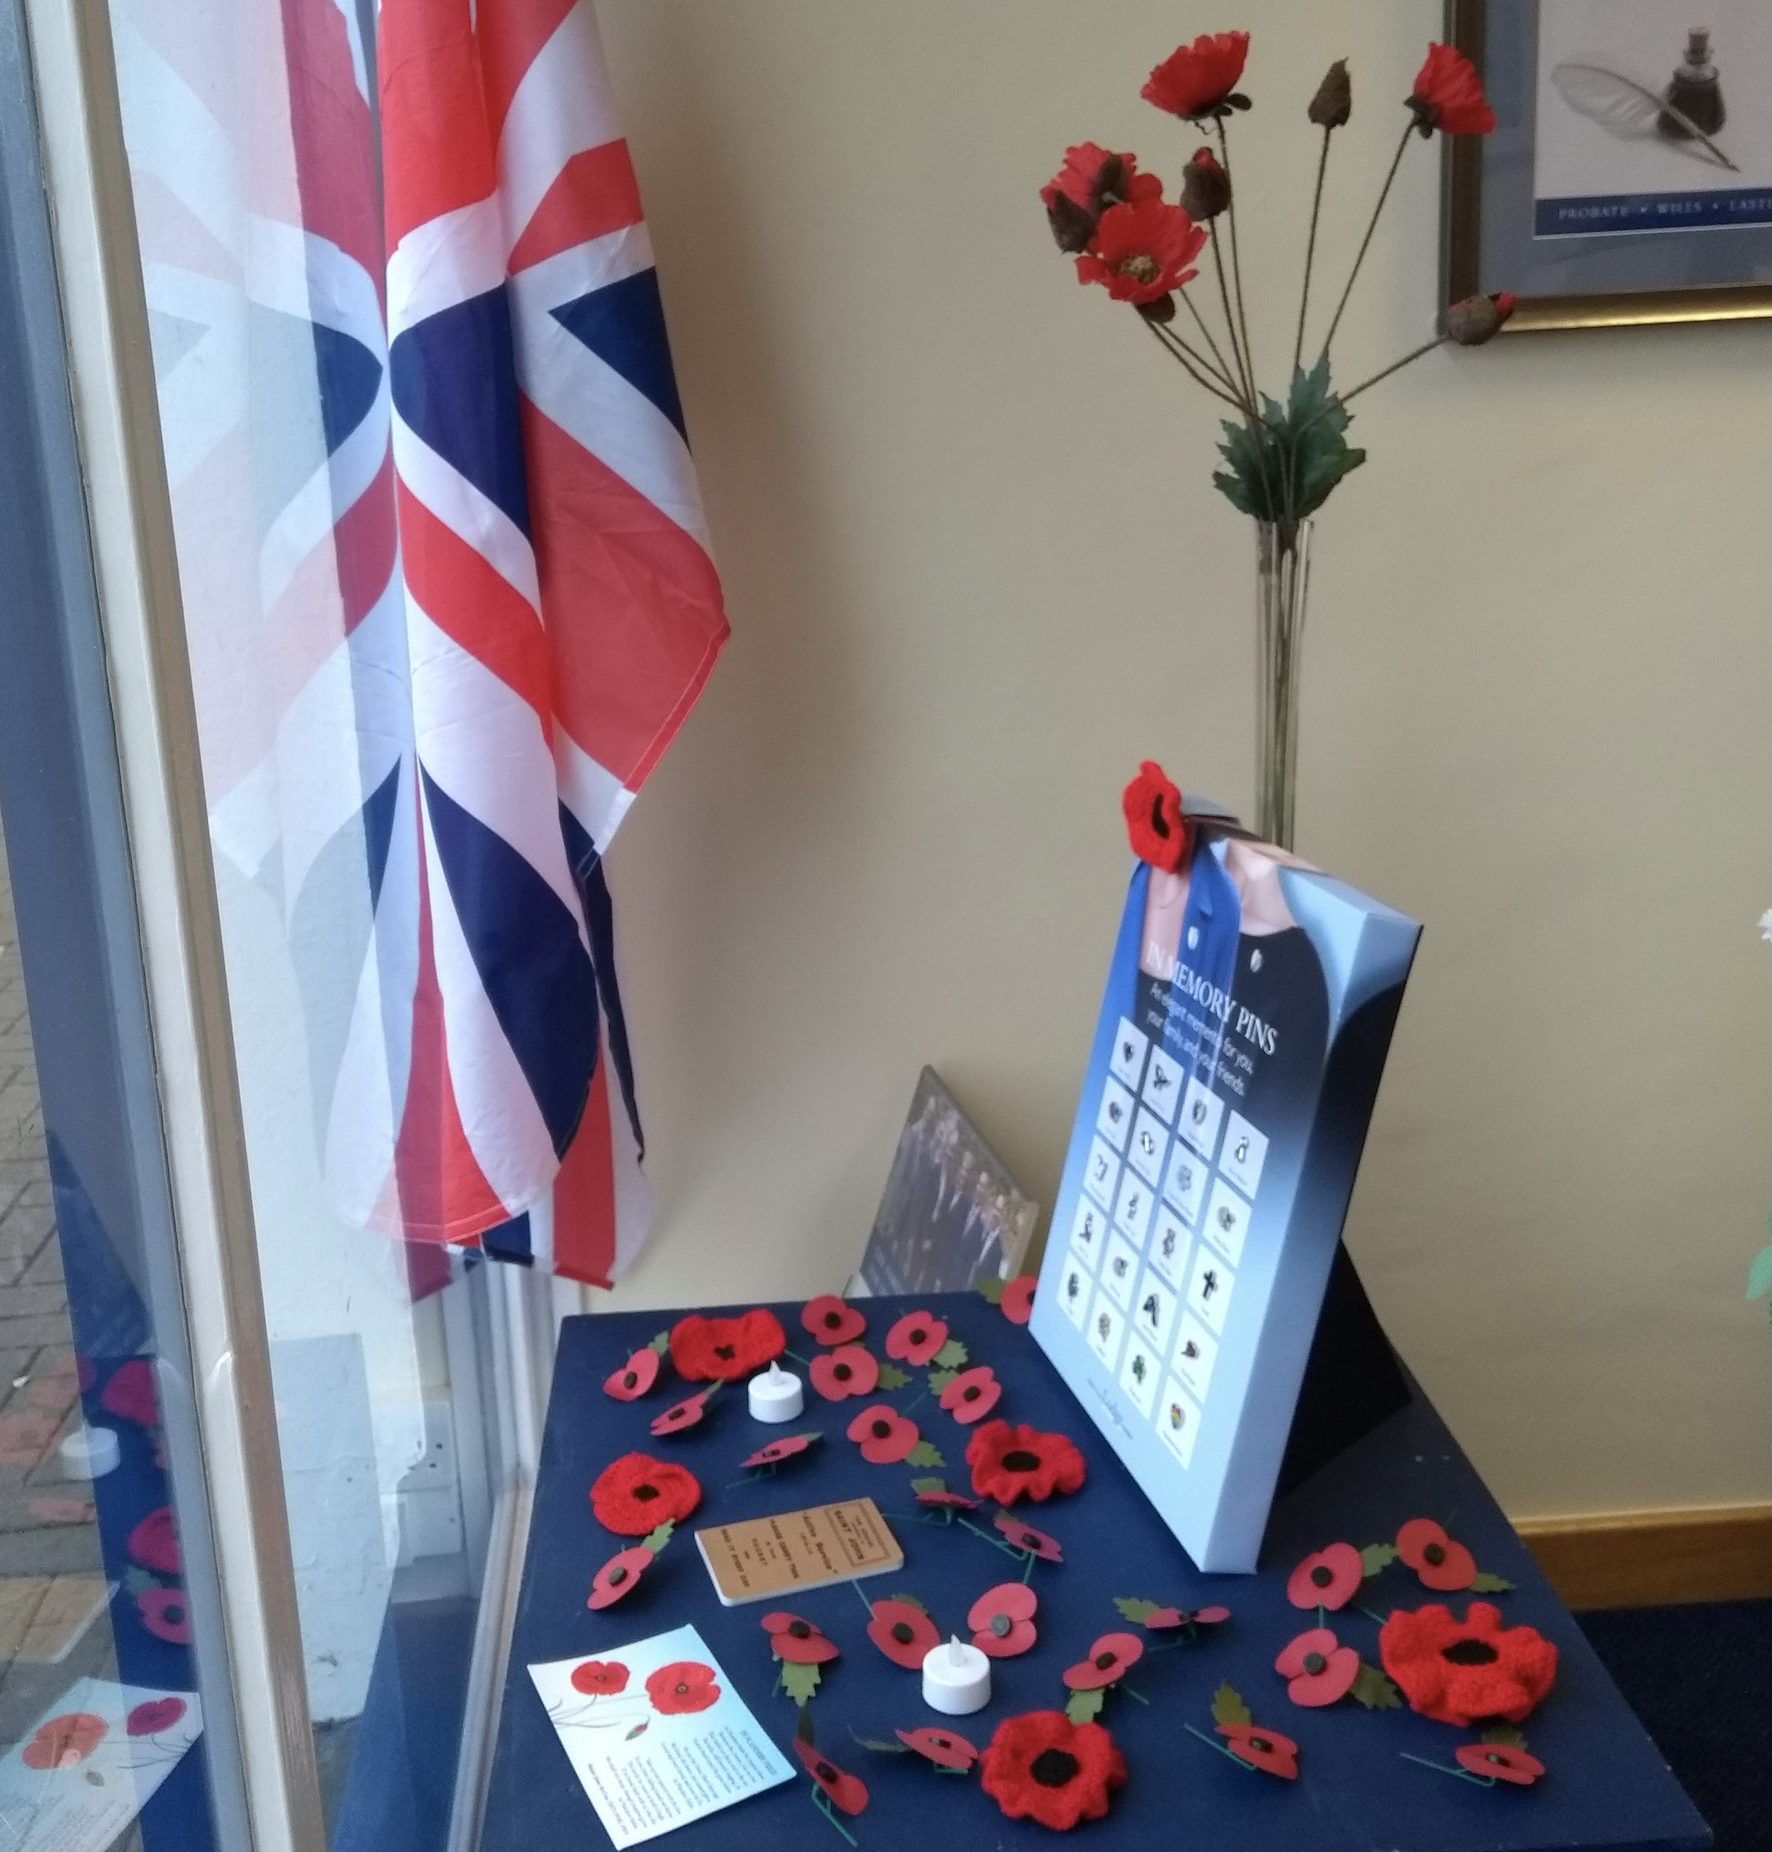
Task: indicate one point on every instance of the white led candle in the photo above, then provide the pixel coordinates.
(956, 1679)
(776, 1395)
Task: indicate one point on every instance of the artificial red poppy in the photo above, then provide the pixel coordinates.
(634, 1495)
(710, 1350)
(1448, 95)
(1443, 1565)
(1109, 1660)
(1140, 253)
(1016, 1462)
(1262, 1748)
(619, 1577)
(1158, 831)
(1167, 1618)
(1458, 1671)
(1329, 1579)
(972, 1394)
(1002, 1620)
(1043, 1767)
(682, 1688)
(600, 1678)
(1198, 80)
(153, 1715)
(64, 1741)
(903, 1633)
(943, 1747)
(1499, 1762)
(916, 1338)
(1095, 178)
(938, 1494)
(885, 1435)
(848, 1370)
(778, 1450)
(1025, 1537)
(1318, 1669)
(154, 1543)
(846, 1791)
(166, 1614)
(634, 1378)
(1017, 1302)
(798, 1641)
(832, 1320)
(684, 1414)
(131, 1394)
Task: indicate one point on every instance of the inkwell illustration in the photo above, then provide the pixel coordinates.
(1685, 115)
(1694, 97)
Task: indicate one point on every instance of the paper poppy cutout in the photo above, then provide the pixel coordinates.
(942, 1747)
(1110, 1659)
(1459, 1671)
(1156, 1619)
(1443, 1565)
(1499, 1762)
(778, 1450)
(972, 1394)
(885, 1435)
(683, 1688)
(1261, 1748)
(1017, 1302)
(848, 1370)
(1043, 1767)
(684, 1414)
(619, 1577)
(154, 1543)
(709, 1350)
(1317, 1668)
(131, 1394)
(600, 1678)
(166, 1614)
(1009, 1463)
(903, 1633)
(634, 1495)
(846, 1791)
(634, 1378)
(1002, 1620)
(1329, 1579)
(935, 1492)
(1025, 1537)
(916, 1338)
(153, 1715)
(832, 1320)
(798, 1641)
(64, 1742)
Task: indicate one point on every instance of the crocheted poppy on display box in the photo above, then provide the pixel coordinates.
(1043, 1767)
(635, 1494)
(1459, 1671)
(1009, 1463)
(707, 1350)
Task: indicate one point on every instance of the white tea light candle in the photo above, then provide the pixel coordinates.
(956, 1679)
(776, 1395)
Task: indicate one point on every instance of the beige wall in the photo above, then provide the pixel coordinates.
(976, 571)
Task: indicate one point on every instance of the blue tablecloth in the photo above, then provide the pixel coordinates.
(1607, 1786)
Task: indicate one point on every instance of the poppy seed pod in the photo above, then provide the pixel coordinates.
(1072, 226)
(1205, 187)
(1478, 319)
(1334, 101)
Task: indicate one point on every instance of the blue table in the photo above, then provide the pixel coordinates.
(1607, 1786)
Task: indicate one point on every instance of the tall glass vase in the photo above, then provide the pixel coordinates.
(1282, 579)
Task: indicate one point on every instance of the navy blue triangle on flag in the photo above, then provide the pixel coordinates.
(623, 325)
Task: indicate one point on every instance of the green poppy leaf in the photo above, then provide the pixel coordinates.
(1375, 1691)
(1137, 1611)
(1085, 1706)
(1487, 1584)
(1228, 1706)
(892, 1377)
(925, 1453)
(1377, 1556)
(953, 1355)
(799, 1681)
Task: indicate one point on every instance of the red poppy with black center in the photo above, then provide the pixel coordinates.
(1262, 1748)
(154, 1715)
(1043, 1767)
(885, 1435)
(1329, 1579)
(1196, 80)
(1154, 824)
(1448, 95)
(903, 1633)
(634, 1377)
(848, 1370)
(619, 1577)
(952, 1501)
(1499, 1762)
(684, 1414)
(832, 1320)
(1140, 253)
(1002, 1620)
(721, 1350)
(634, 1495)
(166, 1614)
(942, 1747)
(1442, 1564)
(1460, 1671)
(798, 1641)
(64, 1741)
(1024, 1537)
(778, 1450)
(154, 1543)
(1167, 1618)
(972, 1394)
(1110, 1659)
(682, 1688)
(916, 1338)
(1020, 1462)
(848, 1792)
(600, 1678)
(1017, 1303)
(1318, 1669)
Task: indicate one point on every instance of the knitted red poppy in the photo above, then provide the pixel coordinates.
(707, 1350)
(635, 1495)
(1154, 823)
(1014, 1462)
(1043, 1767)
(681, 1689)
(1462, 1671)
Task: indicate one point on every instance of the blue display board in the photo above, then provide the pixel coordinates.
(1248, 1012)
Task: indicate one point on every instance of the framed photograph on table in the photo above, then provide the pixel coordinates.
(1629, 177)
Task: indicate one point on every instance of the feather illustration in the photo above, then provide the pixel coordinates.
(1625, 108)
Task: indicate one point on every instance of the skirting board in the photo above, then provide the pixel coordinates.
(1648, 1559)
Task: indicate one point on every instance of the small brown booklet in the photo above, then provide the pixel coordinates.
(798, 1550)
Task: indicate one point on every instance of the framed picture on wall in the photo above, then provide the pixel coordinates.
(1629, 177)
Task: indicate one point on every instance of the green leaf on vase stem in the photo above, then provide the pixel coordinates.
(1284, 467)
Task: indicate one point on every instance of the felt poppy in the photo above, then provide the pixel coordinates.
(1109, 1660)
(972, 1394)
(1041, 1766)
(779, 1450)
(153, 1715)
(1329, 1579)
(131, 1394)
(1443, 1565)
(710, 1350)
(682, 1688)
(1448, 95)
(832, 1320)
(885, 1435)
(1261, 1748)
(1025, 1537)
(634, 1378)
(1499, 1762)
(634, 1495)
(848, 1370)
(942, 1747)
(1458, 1671)
(798, 1641)
(1017, 1302)
(1002, 1620)
(1157, 830)
(684, 1414)
(64, 1741)
(1140, 253)
(1318, 1669)
(903, 1633)
(845, 1791)
(1015, 1462)
(916, 1338)
(154, 1543)
(619, 1577)
(600, 1678)
(166, 1614)
(1199, 79)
